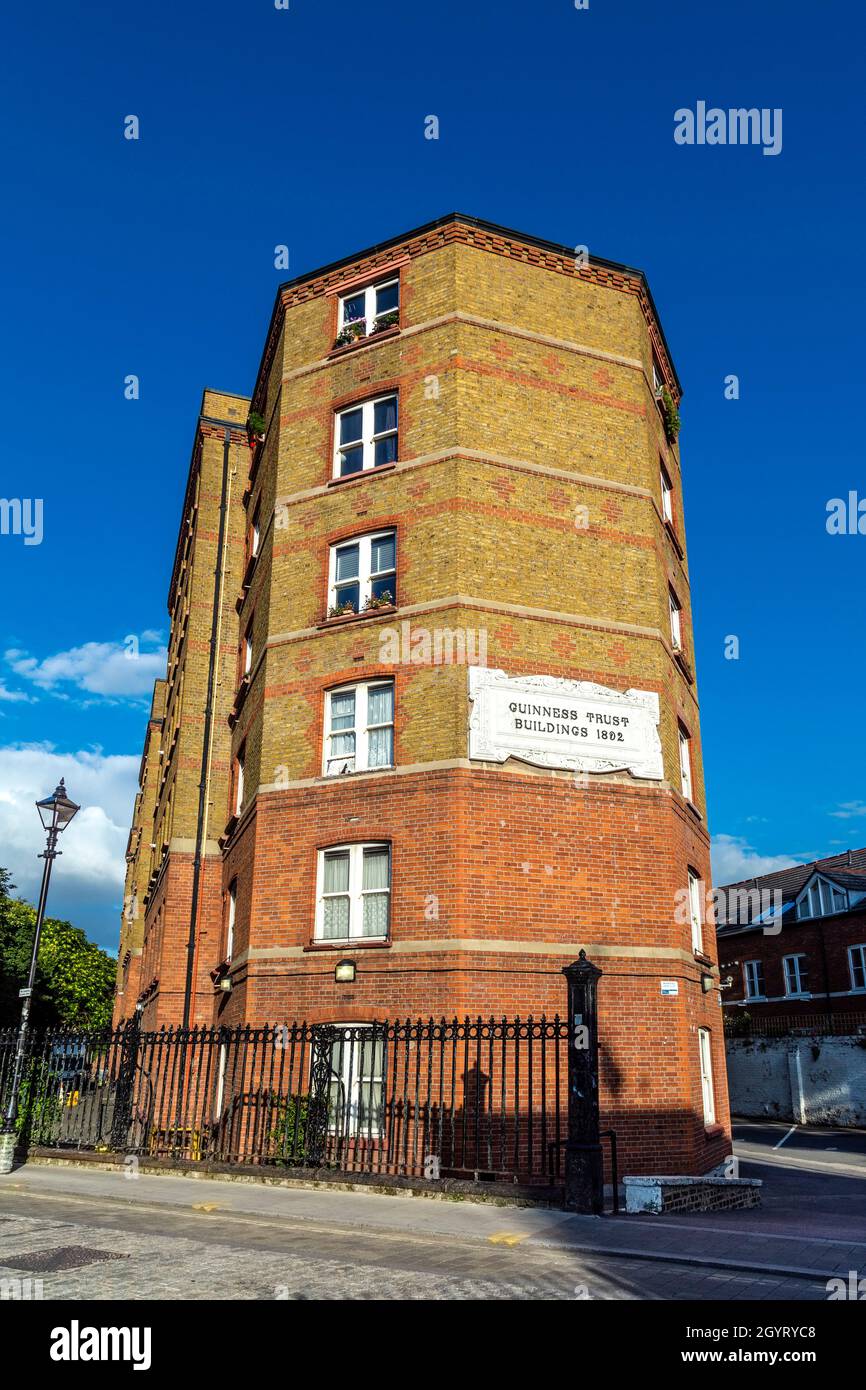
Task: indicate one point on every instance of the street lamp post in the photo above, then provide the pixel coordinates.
(55, 812)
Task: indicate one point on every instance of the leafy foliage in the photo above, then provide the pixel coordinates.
(294, 1121)
(75, 978)
(670, 415)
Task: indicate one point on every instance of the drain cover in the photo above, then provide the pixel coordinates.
(59, 1257)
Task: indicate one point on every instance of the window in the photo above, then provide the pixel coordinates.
(354, 892)
(248, 649)
(219, 1096)
(796, 974)
(685, 762)
(239, 778)
(667, 497)
(658, 378)
(706, 1056)
(356, 1091)
(364, 572)
(367, 310)
(820, 898)
(753, 971)
(365, 436)
(676, 621)
(230, 919)
(695, 912)
(255, 531)
(857, 967)
(359, 728)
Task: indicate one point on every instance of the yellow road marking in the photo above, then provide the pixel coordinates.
(506, 1238)
(205, 1206)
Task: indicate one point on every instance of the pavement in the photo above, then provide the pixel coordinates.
(96, 1233)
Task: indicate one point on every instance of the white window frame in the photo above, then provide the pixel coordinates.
(675, 608)
(365, 576)
(370, 316)
(753, 977)
(222, 1067)
(355, 892)
(248, 648)
(361, 730)
(240, 763)
(352, 1077)
(705, 1053)
(817, 899)
(685, 748)
(369, 437)
(667, 496)
(860, 951)
(791, 967)
(658, 378)
(256, 535)
(695, 911)
(230, 918)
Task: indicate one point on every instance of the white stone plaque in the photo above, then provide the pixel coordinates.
(558, 723)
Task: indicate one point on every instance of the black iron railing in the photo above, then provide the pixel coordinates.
(740, 1023)
(472, 1098)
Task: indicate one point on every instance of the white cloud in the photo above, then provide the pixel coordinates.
(110, 669)
(849, 809)
(11, 695)
(87, 881)
(735, 859)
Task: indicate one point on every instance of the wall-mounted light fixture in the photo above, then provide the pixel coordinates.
(707, 983)
(344, 972)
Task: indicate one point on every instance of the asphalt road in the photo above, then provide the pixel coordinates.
(97, 1236)
(84, 1249)
(773, 1140)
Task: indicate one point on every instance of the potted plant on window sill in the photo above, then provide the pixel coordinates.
(387, 320)
(255, 428)
(350, 333)
(342, 610)
(670, 415)
(384, 600)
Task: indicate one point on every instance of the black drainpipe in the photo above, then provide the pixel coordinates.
(208, 720)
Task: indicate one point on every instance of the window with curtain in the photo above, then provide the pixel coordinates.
(667, 495)
(354, 892)
(706, 1057)
(685, 763)
(356, 1093)
(695, 911)
(359, 728)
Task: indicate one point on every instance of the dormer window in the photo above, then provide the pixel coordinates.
(820, 898)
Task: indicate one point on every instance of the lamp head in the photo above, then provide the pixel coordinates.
(57, 810)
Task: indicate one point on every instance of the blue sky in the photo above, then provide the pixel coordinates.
(305, 127)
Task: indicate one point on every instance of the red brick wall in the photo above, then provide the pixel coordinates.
(822, 940)
(511, 859)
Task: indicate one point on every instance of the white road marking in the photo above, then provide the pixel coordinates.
(785, 1137)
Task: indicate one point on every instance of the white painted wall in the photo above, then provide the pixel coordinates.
(816, 1081)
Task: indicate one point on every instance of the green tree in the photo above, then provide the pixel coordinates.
(74, 985)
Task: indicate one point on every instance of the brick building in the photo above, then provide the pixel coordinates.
(430, 723)
(794, 942)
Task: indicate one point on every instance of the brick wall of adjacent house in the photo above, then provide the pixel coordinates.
(825, 941)
(176, 829)
(527, 505)
(138, 862)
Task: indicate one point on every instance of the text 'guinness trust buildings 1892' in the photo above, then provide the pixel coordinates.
(430, 712)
